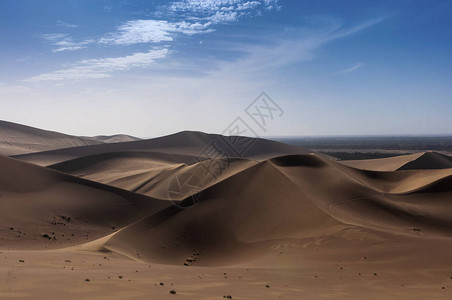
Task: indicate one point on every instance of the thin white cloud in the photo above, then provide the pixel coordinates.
(63, 42)
(151, 31)
(103, 67)
(353, 68)
(213, 6)
(67, 25)
(271, 4)
(224, 17)
(355, 29)
(249, 5)
(54, 36)
(69, 45)
(140, 31)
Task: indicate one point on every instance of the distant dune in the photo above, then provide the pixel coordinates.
(117, 138)
(187, 143)
(19, 139)
(264, 219)
(16, 139)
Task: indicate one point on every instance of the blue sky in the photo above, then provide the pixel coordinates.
(149, 68)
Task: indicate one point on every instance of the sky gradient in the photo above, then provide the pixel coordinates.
(149, 68)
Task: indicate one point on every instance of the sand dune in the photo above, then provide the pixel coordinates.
(334, 188)
(187, 143)
(276, 215)
(331, 195)
(18, 139)
(117, 138)
(37, 201)
(429, 160)
(417, 161)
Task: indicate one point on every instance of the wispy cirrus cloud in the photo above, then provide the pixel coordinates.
(353, 68)
(63, 42)
(67, 25)
(103, 67)
(53, 37)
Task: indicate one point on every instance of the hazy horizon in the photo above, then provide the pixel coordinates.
(261, 136)
(151, 69)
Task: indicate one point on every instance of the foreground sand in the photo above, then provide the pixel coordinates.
(63, 274)
(276, 223)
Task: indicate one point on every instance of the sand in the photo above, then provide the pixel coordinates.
(277, 222)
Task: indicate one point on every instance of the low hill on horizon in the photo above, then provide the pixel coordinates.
(18, 139)
(116, 138)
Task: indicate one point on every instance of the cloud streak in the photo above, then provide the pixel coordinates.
(103, 67)
(63, 42)
(67, 25)
(353, 68)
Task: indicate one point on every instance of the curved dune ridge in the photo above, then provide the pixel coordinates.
(416, 161)
(187, 143)
(243, 204)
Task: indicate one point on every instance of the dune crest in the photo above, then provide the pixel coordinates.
(417, 161)
(18, 139)
(187, 143)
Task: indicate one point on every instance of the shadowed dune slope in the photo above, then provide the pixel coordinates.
(417, 161)
(196, 144)
(429, 160)
(18, 139)
(42, 208)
